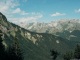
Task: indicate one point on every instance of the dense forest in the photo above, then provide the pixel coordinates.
(12, 53)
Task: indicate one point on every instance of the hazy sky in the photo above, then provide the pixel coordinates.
(18, 11)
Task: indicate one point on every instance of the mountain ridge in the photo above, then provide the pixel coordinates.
(35, 46)
(54, 26)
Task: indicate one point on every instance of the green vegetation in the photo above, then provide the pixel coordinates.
(27, 45)
(73, 55)
(13, 53)
(2, 49)
(68, 56)
(54, 54)
(77, 52)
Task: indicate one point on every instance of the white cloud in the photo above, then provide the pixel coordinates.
(7, 5)
(11, 9)
(77, 11)
(24, 13)
(4, 8)
(26, 19)
(18, 10)
(58, 14)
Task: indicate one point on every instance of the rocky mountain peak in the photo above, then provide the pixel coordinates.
(54, 26)
(2, 17)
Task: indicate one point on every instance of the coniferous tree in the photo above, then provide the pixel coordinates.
(54, 54)
(74, 55)
(68, 56)
(15, 52)
(2, 48)
(77, 52)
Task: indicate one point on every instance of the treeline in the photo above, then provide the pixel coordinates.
(12, 53)
(75, 55)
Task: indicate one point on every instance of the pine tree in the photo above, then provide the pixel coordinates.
(2, 48)
(54, 54)
(75, 55)
(77, 52)
(15, 52)
(68, 56)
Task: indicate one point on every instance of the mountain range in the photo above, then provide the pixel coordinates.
(42, 37)
(65, 28)
(54, 26)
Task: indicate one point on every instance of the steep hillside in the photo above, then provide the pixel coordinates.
(35, 46)
(66, 28)
(72, 35)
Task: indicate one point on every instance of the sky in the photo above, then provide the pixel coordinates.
(25, 11)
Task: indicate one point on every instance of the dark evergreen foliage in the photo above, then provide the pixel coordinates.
(77, 52)
(54, 54)
(75, 55)
(68, 56)
(2, 49)
(13, 53)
